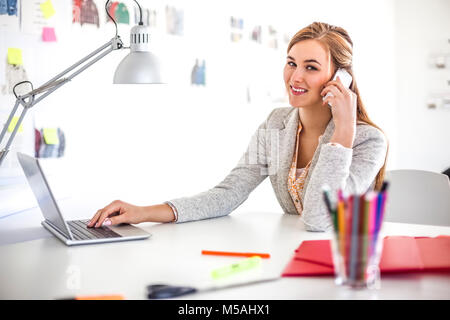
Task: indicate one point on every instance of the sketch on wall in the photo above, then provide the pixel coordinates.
(198, 73)
(119, 12)
(149, 17)
(85, 12)
(174, 21)
(272, 39)
(256, 34)
(236, 29)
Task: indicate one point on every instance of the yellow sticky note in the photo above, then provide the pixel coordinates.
(13, 124)
(51, 136)
(47, 9)
(15, 56)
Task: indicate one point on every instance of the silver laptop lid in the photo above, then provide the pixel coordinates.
(41, 189)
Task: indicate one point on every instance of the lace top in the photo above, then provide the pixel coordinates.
(297, 177)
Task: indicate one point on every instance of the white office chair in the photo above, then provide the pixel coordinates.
(416, 196)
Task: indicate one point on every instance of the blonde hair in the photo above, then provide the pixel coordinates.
(337, 41)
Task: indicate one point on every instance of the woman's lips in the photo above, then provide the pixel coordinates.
(297, 91)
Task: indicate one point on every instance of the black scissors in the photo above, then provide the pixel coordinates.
(165, 291)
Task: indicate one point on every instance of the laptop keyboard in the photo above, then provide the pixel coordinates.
(80, 231)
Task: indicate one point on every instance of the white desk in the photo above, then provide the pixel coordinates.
(45, 268)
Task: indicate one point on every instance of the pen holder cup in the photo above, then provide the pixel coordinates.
(356, 260)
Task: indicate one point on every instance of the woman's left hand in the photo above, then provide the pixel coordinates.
(343, 109)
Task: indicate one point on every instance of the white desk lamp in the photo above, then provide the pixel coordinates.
(139, 66)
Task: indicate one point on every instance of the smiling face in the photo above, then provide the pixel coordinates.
(308, 68)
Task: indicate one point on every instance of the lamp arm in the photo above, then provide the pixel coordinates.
(51, 85)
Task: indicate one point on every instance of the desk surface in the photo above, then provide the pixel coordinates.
(44, 268)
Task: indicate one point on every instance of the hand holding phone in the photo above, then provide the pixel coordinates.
(345, 78)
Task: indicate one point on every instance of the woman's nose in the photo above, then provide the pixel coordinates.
(297, 76)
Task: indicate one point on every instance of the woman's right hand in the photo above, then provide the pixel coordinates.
(118, 212)
(121, 212)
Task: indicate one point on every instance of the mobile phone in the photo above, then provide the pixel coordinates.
(346, 80)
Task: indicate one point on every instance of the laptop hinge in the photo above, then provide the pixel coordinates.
(58, 230)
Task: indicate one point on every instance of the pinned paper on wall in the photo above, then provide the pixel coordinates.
(51, 135)
(174, 21)
(9, 16)
(48, 34)
(8, 7)
(47, 9)
(32, 18)
(85, 12)
(119, 12)
(15, 56)
(122, 14)
(13, 124)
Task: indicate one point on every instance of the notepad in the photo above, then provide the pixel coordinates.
(405, 254)
(400, 254)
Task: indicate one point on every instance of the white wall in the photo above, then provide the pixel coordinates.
(147, 144)
(422, 33)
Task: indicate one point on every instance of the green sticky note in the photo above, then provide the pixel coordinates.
(243, 265)
(51, 136)
(47, 9)
(13, 124)
(15, 56)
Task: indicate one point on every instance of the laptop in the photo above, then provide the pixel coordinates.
(73, 232)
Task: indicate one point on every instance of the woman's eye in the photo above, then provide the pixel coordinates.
(311, 68)
(292, 64)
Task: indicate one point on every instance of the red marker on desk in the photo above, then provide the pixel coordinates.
(236, 254)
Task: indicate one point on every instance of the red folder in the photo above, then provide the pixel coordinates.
(400, 254)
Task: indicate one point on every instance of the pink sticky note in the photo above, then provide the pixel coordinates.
(48, 34)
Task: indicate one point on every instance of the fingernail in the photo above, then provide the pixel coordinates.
(107, 222)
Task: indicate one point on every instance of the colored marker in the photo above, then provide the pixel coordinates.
(236, 254)
(349, 213)
(326, 198)
(243, 265)
(331, 210)
(355, 235)
(97, 297)
(373, 197)
(365, 234)
(341, 226)
(381, 202)
(383, 208)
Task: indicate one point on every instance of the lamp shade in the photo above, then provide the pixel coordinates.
(140, 65)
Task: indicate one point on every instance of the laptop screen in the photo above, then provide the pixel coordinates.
(42, 192)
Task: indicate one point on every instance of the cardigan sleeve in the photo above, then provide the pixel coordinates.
(229, 194)
(351, 169)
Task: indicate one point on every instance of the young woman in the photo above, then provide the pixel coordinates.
(301, 148)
